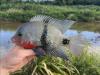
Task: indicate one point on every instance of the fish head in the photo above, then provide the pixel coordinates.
(28, 35)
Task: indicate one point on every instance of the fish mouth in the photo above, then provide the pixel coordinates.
(39, 51)
(23, 43)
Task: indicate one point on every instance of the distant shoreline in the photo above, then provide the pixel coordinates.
(24, 11)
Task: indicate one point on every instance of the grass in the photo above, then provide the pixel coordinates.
(24, 11)
(48, 66)
(86, 64)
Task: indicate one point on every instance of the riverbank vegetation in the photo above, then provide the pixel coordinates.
(24, 11)
(57, 2)
(87, 26)
(85, 64)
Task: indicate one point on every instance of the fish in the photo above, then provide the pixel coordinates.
(46, 33)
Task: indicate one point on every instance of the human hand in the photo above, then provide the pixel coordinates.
(15, 60)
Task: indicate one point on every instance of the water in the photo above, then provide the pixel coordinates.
(7, 30)
(92, 37)
(90, 31)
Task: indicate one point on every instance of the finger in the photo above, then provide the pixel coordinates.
(21, 51)
(26, 52)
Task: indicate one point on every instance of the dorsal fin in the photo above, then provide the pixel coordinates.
(63, 25)
(41, 18)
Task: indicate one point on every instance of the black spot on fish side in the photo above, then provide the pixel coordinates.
(65, 41)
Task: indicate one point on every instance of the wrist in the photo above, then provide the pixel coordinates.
(3, 71)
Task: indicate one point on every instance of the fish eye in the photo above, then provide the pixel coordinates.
(65, 41)
(19, 34)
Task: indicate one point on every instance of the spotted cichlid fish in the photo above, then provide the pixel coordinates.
(46, 33)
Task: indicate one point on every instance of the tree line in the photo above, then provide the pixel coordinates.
(77, 2)
(59, 2)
